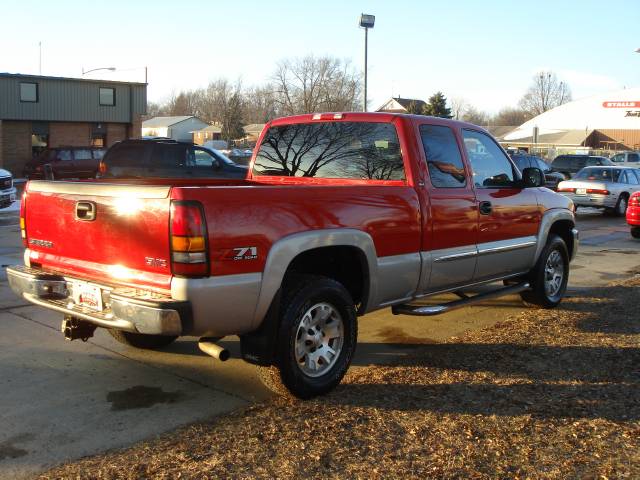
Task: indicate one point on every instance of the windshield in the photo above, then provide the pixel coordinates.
(599, 174)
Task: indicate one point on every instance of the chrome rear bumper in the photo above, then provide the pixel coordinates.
(123, 309)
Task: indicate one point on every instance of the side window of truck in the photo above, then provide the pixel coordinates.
(490, 166)
(350, 150)
(444, 161)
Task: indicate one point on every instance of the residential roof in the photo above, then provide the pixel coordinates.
(157, 122)
(253, 128)
(400, 105)
(211, 128)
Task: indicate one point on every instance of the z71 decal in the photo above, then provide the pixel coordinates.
(244, 253)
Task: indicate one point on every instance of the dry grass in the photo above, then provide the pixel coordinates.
(547, 394)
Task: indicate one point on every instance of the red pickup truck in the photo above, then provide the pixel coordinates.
(340, 214)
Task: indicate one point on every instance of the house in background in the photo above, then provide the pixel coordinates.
(401, 105)
(179, 128)
(38, 111)
(252, 132)
(211, 132)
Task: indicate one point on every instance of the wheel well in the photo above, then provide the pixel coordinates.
(563, 228)
(344, 264)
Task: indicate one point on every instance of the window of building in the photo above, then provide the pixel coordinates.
(490, 166)
(354, 150)
(28, 92)
(107, 96)
(444, 161)
(39, 137)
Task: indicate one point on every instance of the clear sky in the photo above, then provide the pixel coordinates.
(484, 51)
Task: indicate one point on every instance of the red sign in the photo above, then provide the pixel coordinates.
(624, 104)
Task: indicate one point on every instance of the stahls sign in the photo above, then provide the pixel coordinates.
(621, 104)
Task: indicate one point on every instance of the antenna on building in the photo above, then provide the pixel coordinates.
(40, 58)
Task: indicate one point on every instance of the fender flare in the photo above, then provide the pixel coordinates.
(548, 219)
(287, 248)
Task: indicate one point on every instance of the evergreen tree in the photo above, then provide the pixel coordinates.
(437, 106)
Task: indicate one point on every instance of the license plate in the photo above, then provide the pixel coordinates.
(581, 191)
(87, 295)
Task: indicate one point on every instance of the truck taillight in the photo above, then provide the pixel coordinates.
(188, 236)
(23, 219)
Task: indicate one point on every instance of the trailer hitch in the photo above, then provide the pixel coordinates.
(74, 329)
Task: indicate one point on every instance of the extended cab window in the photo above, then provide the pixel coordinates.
(444, 161)
(490, 166)
(352, 150)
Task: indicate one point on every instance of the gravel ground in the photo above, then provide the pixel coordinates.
(546, 394)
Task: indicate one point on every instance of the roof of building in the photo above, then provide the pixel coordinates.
(499, 131)
(253, 128)
(157, 122)
(618, 110)
(398, 104)
(69, 79)
(211, 129)
(563, 137)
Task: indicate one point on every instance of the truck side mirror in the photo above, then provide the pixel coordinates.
(532, 177)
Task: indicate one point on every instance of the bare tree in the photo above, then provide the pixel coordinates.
(458, 107)
(546, 92)
(510, 117)
(260, 104)
(473, 115)
(313, 84)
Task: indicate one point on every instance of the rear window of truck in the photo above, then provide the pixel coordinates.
(346, 150)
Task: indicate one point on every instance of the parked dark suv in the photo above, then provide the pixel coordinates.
(551, 177)
(165, 158)
(66, 162)
(569, 165)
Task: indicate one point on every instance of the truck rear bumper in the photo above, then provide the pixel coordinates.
(122, 309)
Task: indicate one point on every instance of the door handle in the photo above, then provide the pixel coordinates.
(86, 211)
(485, 208)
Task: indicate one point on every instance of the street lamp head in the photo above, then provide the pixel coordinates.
(367, 21)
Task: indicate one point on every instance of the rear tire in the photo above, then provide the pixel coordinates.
(621, 206)
(635, 232)
(550, 275)
(140, 340)
(316, 338)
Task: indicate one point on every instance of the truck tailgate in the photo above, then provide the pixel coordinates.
(117, 234)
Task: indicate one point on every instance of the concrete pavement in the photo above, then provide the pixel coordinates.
(63, 400)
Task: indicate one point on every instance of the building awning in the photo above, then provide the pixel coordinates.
(573, 138)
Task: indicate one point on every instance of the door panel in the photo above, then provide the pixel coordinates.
(509, 216)
(451, 226)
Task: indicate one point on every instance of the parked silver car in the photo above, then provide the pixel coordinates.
(602, 187)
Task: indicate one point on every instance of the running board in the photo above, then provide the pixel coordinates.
(429, 310)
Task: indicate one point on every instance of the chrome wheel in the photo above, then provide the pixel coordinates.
(319, 339)
(553, 274)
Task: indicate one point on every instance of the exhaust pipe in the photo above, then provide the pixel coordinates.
(216, 351)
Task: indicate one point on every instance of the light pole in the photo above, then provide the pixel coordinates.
(366, 22)
(111, 69)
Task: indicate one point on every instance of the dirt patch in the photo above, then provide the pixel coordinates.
(395, 335)
(140, 397)
(544, 394)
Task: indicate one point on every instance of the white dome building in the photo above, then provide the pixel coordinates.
(609, 121)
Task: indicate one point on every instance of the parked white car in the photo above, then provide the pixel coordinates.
(602, 187)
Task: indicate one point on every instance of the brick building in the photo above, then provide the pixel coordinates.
(37, 112)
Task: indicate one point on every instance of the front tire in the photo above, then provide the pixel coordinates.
(550, 275)
(635, 232)
(140, 340)
(316, 338)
